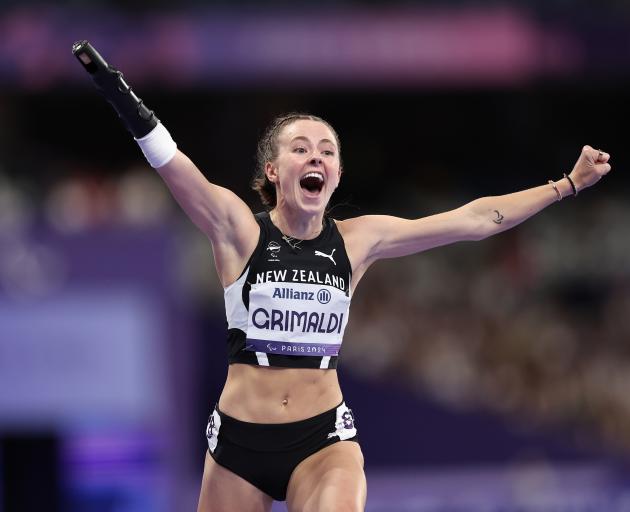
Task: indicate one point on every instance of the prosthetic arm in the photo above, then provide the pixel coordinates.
(150, 134)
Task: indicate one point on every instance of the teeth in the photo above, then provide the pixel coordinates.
(313, 175)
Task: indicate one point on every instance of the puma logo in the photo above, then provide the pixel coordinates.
(329, 256)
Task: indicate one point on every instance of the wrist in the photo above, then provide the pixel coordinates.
(574, 189)
(564, 187)
(158, 146)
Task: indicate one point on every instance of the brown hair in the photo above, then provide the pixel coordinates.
(268, 151)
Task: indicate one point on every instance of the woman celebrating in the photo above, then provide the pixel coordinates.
(281, 429)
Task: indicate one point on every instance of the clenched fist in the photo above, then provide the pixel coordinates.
(590, 167)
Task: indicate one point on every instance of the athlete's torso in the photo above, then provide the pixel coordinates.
(276, 393)
(289, 308)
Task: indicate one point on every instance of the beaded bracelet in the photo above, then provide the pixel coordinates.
(575, 190)
(553, 184)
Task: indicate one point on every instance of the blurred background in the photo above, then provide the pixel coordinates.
(486, 376)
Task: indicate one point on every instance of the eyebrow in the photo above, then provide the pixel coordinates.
(301, 137)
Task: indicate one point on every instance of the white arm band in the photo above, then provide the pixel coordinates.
(158, 146)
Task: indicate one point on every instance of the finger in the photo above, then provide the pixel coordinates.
(590, 154)
(602, 156)
(603, 168)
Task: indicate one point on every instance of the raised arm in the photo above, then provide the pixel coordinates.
(217, 211)
(374, 237)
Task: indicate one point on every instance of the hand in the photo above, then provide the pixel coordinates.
(590, 167)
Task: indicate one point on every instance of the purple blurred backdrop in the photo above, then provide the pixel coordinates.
(112, 332)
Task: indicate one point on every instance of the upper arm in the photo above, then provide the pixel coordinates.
(374, 237)
(216, 211)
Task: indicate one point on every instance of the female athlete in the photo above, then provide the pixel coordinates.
(281, 429)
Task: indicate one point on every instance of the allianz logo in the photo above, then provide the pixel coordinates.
(323, 296)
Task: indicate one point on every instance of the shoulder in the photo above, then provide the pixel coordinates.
(262, 217)
(364, 227)
(354, 224)
(358, 234)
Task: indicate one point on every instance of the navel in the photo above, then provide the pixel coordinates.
(285, 401)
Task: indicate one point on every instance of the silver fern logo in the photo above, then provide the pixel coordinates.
(274, 249)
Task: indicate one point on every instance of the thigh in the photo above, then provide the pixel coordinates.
(331, 479)
(222, 490)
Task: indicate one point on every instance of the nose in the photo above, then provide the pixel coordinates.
(316, 161)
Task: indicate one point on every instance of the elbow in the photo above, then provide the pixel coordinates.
(487, 231)
(476, 227)
(481, 230)
(480, 235)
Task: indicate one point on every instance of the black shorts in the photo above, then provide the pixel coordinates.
(265, 454)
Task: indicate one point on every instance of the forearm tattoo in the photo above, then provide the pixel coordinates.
(499, 218)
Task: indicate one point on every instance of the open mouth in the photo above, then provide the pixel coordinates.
(312, 182)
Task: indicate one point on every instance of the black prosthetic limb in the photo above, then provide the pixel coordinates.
(138, 119)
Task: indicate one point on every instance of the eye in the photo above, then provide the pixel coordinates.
(328, 152)
(299, 149)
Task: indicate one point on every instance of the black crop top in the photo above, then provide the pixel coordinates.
(290, 306)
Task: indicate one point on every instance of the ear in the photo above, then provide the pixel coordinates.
(271, 172)
(339, 174)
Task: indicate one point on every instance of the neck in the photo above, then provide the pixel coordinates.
(297, 224)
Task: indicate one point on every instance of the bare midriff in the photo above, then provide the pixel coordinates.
(261, 394)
